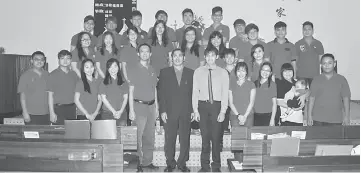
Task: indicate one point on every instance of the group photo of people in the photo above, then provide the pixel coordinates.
(188, 79)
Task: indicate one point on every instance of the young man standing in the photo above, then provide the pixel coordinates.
(136, 20)
(33, 95)
(88, 27)
(111, 24)
(210, 103)
(188, 18)
(61, 89)
(309, 51)
(143, 106)
(280, 50)
(330, 96)
(217, 17)
(162, 15)
(251, 31)
(175, 105)
(240, 40)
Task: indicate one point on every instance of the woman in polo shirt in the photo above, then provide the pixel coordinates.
(82, 51)
(129, 55)
(242, 93)
(257, 54)
(86, 95)
(265, 105)
(107, 51)
(114, 93)
(216, 40)
(194, 53)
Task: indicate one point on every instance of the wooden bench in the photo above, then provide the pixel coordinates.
(37, 155)
(126, 134)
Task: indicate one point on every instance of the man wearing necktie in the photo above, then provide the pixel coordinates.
(210, 103)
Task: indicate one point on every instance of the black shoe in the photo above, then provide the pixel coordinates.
(151, 166)
(169, 169)
(203, 170)
(184, 168)
(139, 169)
(216, 170)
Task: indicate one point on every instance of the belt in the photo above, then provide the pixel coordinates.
(208, 101)
(70, 104)
(145, 102)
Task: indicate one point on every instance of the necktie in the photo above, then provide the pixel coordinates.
(210, 92)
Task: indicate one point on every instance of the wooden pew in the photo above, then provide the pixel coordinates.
(39, 155)
(127, 135)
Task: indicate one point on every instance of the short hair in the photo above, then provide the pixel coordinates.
(285, 67)
(239, 21)
(307, 23)
(37, 53)
(303, 82)
(239, 65)
(159, 12)
(88, 17)
(280, 24)
(136, 13)
(251, 26)
(328, 55)
(229, 51)
(112, 19)
(178, 49)
(144, 44)
(187, 10)
(217, 9)
(64, 53)
(209, 50)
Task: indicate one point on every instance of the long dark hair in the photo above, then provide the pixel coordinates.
(258, 81)
(114, 48)
(107, 79)
(195, 47)
(164, 35)
(81, 52)
(287, 66)
(83, 75)
(221, 46)
(241, 65)
(253, 49)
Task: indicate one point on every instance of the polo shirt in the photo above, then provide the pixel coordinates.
(241, 47)
(280, 54)
(88, 100)
(114, 94)
(245, 51)
(191, 60)
(308, 62)
(102, 59)
(253, 69)
(328, 94)
(34, 88)
(223, 29)
(144, 81)
(179, 33)
(170, 31)
(129, 55)
(75, 57)
(241, 94)
(62, 85)
(93, 39)
(220, 86)
(160, 55)
(117, 38)
(142, 38)
(264, 94)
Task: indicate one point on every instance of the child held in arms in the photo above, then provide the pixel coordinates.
(292, 98)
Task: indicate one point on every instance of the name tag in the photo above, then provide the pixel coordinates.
(31, 134)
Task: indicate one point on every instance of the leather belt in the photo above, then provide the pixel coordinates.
(208, 101)
(145, 102)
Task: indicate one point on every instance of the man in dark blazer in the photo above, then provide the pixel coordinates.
(175, 106)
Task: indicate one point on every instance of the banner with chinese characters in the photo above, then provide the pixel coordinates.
(121, 9)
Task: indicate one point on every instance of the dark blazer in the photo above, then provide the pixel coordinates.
(175, 99)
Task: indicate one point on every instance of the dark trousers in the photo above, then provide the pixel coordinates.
(64, 112)
(211, 132)
(319, 123)
(262, 119)
(182, 126)
(83, 117)
(288, 123)
(39, 120)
